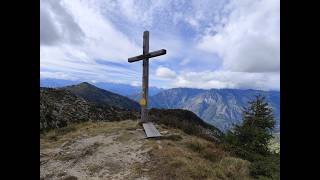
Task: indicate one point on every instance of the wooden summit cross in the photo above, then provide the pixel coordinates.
(150, 130)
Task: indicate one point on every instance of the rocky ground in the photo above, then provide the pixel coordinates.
(108, 155)
(119, 150)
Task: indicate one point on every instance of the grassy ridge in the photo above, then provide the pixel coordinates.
(187, 121)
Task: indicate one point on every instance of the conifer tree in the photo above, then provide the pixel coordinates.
(251, 138)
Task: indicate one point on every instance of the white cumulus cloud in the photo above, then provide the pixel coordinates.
(74, 35)
(228, 79)
(209, 43)
(165, 73)
(248, 40)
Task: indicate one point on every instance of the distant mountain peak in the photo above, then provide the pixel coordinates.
(85, 84)
(99, 96)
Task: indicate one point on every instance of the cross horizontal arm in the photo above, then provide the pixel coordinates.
(157, 53)
(149, 55)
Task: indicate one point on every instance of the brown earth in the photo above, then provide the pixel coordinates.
(119, 150)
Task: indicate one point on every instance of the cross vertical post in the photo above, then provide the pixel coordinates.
(145, 78)
(145, 56)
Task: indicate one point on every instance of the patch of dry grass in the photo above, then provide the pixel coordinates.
(232, 168)
(137, 171)
(124, 136)
(191, 158)
(94, 168)
(56, 137)
(176, 155)
(173, 137)
(70, 155)
(206, 149)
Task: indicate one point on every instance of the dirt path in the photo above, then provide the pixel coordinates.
(110, 155)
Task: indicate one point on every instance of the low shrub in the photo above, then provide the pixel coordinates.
(268, 166)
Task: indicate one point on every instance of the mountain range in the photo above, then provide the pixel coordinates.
(219, 107)
(60, 107)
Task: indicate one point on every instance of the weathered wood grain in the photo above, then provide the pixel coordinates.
(145, 77)
(149, 55)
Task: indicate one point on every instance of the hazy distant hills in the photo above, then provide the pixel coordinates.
(122, 89)
(219, 107)
(99, 96)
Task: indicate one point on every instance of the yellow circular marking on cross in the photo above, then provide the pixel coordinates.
(143, 102)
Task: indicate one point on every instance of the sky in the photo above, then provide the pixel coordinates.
(209, 43)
